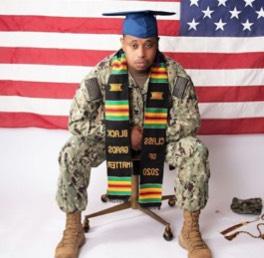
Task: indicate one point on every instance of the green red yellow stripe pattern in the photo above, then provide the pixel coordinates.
(155, 118)
(119, 186)
(150, 193)
(159, 74)
(119, 65)
(117, 110)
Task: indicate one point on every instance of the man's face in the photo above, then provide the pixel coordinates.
(140, 53)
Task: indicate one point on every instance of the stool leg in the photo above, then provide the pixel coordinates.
(166, 197)
(168, 235)
(115, 208)
(153, 215)
(171, 199)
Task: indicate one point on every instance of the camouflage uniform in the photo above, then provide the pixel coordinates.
(85, 149)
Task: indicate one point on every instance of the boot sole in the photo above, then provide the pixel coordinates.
(79, 249)
(80, 246)
(181, 243)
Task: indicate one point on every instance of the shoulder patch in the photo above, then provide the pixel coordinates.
(93, 89)
(180, 86)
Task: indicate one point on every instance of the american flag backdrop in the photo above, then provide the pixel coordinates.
(47, 46)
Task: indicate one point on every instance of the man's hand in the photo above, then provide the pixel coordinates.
(136, 137)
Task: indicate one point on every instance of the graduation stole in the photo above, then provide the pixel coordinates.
(117, 122)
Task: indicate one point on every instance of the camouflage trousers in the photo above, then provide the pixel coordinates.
(188, 155)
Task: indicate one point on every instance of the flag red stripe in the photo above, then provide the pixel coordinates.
(67, 90)
(12, 120)
(92, 57)
(230, 94)
(51, 56)
(38, 89)
(75, 24)
(209, 126)
(219, 60)
(232, 126)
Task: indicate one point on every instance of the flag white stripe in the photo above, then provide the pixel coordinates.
(232, 110)
(56, 107)
(61, 107)
(60, 40)
(213, 44)
(227, 77)
(43, 73)
(111, 42)
(74, 74)
(82, 8)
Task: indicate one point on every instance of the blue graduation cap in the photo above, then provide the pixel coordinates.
(141, 24)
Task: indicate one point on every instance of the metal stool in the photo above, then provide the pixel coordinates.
(132, 202)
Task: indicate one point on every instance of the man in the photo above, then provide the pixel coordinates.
(135, 101)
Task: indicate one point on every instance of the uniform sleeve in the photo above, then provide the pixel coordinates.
(86, 113)
(184, 112)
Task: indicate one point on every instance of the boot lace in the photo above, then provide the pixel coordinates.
(72, 233)
(195, 237)
(70, 237)
(196, 241)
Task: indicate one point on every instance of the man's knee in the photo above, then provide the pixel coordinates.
(81, 153)
(188, 148)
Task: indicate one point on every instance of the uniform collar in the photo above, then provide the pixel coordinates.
(133, 84)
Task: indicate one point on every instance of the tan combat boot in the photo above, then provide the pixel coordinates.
(73, 237)
(190, 237)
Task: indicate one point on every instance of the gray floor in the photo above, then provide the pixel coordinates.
(31, 224)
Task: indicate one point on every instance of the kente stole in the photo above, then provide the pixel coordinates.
(117, 122)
